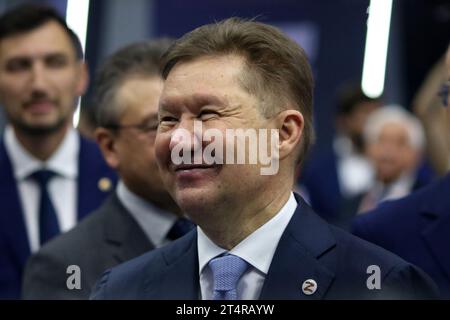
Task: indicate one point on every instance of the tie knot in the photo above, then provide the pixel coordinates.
(227, 270)
(180, 228)
(42, 177)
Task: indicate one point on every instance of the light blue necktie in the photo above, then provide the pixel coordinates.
(227, 270)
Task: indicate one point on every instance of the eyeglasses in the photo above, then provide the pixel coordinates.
(443, 93)
(150, 127)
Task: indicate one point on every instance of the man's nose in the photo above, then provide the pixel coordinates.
(187, 136)
(38, 77)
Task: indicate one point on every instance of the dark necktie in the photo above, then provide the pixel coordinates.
(180, 228)
(48, 221)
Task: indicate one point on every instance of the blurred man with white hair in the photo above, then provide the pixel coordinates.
(417, 227)
(395, 142)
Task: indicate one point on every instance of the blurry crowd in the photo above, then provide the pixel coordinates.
(94, 197)
(380, 152)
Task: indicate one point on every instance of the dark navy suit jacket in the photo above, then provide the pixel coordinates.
(320, 179)
(309, 248)
(14, 244)
(417, 228)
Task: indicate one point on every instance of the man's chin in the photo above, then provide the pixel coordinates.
(40, 129)
(195, 201)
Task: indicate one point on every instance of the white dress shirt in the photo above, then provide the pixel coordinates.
(155, 223)
(354, 171)
(381, 192)
(257, 250)
(62, 188)
(400, 188)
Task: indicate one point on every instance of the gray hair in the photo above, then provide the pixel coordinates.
(395, 114)
(138, 59)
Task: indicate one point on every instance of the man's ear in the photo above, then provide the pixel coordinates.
(106, 140)
(83, 79)
(290, 124)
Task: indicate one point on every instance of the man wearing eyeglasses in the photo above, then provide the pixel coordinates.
(140, 215)
(416, 227)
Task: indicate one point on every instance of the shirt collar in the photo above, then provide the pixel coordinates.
(64, 161)
(155, 223)
(258, 248)
(397, 189)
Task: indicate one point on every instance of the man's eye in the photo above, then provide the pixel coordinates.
(56, 61)
(168, 119)
(208, 114)
(17, 65)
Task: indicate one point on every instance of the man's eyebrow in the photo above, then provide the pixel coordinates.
(195, 100)
(55, 54)
(165, 104)
(37, 56)
(150, 117)
(206, 99)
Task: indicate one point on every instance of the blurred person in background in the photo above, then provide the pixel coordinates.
(332, 179)
(417, 227)
(50, 176)
(395, 144)
(428, 108)
(140, 215)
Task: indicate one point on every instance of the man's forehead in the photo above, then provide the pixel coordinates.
(48, 38)
(220, 68)
(191, 100)
(206, 79)
(144, 116)
(142, 91)
(394, 126)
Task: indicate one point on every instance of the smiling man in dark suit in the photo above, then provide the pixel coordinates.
(417, 227)
(139, 216)
(255, 238)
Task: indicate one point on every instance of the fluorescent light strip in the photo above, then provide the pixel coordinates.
(77, 15)
(377, 40)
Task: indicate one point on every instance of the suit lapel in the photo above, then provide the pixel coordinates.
(437, 237)
(180, 278)
(437, 233)
(11, 217)
(125, 238)
(297, 258)
(92, 171)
